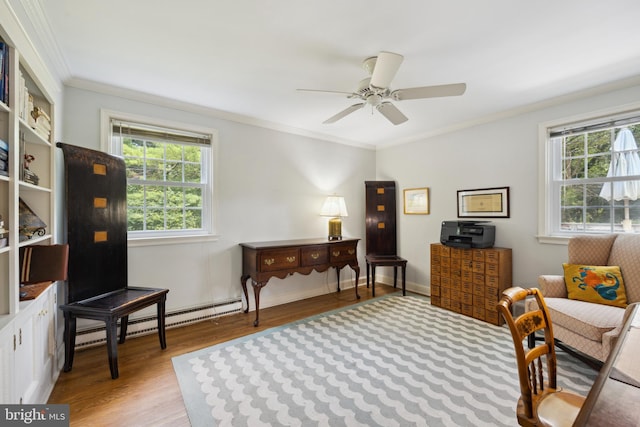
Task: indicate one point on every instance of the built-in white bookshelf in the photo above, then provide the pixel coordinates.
(28, 366)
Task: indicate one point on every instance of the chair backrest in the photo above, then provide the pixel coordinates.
(531, 372)
(625, 253)
(43, 263)
(380, 221)
(96, 222)
(590, 249)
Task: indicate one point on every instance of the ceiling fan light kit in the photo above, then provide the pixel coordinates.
(375, 90)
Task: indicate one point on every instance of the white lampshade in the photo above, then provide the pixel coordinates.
(334, 206)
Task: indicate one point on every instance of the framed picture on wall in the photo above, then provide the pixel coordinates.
(484, 203)
(416, 201)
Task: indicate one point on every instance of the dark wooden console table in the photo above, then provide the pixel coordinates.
(263, 260)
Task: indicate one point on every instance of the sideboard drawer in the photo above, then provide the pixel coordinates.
(314, 255)
(345, 252)
(279, 259)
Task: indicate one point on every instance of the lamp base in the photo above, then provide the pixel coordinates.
(335, 229)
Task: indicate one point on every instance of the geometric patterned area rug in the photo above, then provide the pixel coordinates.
(391, 361)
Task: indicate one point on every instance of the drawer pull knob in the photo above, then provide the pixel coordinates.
(336, 253)
(291, 259)
(351, 251)
(315, 255)
(269, 261)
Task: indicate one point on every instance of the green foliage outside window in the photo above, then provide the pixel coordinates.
(586, 159)
(164, 185)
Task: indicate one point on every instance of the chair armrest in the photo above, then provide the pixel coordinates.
(610, 338)
(552, 286)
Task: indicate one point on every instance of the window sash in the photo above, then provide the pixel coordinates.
(603, 123)
(158, 134)
(122, 129)
(557, 182)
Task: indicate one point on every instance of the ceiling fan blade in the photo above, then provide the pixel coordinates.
(386, 67)
(455, 89)
(325, 91)
(390, 111)
(344, 113)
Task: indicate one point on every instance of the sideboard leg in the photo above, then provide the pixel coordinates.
(257, 287)
(243, 282)
(338, 273)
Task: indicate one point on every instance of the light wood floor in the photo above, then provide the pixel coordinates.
(147, 392)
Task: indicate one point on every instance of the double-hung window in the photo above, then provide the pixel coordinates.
(169, 177)
(592, 175)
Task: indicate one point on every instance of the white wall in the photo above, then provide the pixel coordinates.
(271, 186)
(497, 154)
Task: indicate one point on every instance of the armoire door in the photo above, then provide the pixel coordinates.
(381, 217)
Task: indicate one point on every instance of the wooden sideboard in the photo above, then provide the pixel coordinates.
(263, 260)
(470, 281)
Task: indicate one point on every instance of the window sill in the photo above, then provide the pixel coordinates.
(553, 240)
(171, 240)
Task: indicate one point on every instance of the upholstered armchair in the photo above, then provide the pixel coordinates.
(590, 327)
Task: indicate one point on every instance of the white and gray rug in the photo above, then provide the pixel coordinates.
(393, 361)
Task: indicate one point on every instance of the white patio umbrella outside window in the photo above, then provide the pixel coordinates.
(625, 161)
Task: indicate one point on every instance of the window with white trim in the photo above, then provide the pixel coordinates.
(169, 177)
(593, 176)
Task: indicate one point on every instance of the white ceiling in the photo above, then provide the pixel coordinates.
(248, 57)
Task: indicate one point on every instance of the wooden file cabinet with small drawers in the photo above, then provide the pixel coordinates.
(470, 281)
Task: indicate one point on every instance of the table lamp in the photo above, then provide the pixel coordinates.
(334, 207)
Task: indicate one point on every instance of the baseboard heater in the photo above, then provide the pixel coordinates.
(147, 325)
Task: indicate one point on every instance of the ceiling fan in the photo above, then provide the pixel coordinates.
(375, 90)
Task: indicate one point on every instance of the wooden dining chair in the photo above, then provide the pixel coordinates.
(542, 402)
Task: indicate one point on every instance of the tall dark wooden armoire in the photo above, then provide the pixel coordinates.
(380, 229)
(381, 217)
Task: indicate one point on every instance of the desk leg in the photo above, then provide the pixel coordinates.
(404, 280)
(69, 340)
(367, 275)
(161, 324)
(124, 322)
(373, 280)
(243, 282)
(112, 346)
(257, 287)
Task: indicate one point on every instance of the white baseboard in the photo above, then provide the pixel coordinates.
(148, 325)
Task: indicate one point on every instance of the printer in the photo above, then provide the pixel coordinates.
(467, 234)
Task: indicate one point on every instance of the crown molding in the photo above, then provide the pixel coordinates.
(42, 36)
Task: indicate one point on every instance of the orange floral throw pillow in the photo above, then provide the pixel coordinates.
(599, 284)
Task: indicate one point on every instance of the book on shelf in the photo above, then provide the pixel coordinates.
(41, 122)
(4, 72)
(4, 158)
(23, 96)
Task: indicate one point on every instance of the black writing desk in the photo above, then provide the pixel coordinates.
(614, 399)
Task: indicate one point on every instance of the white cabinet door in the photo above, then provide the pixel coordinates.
(43, 346)
(23, 372)
(6, 362)
(34, 352)
(27, 353)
